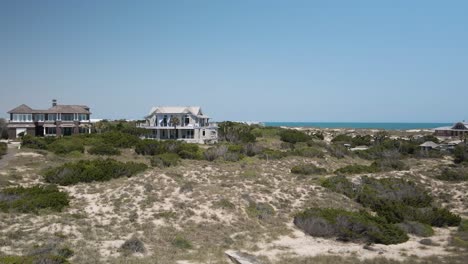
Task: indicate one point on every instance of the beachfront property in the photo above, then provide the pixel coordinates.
(58, 120)
(459, 129)
(187, 123)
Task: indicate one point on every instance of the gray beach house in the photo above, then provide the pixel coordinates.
(58, 120)
(187, 123)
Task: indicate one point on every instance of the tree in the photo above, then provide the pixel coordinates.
(175, 121)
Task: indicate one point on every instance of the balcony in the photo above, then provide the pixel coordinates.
(189, 126)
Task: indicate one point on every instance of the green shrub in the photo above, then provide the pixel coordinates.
(294, 136)
(181, 242)
(460, 153)
(389, 165)
(396, 200)
(119, 140)
(272, 154)
(66, 145)
(455, 174)
(308, 169)
(133, 245)
(338, 151)
(29, 141)
(92, 170)
(3, 149)
(40, 259)
(416, 228)
(32, 199)
(165, 160)
(308, 152)
(262, 211)
(357, 169)
(236, 132)
(348, 226)
(341, 185)
(342, 138)
(155, 147)
(103, 149)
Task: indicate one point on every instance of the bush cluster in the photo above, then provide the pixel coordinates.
(165, 160)
(415, 228)
(293, 136)
(66, 145)
(396, 200)
(234, 132)
(349, 226)
(357, 169)
(453, 174)
(376, 166)
(308, 169)
(262, 211)
(32, 199)
(103, 149)
(353, 141)
(92, 170)
(155, 147)
(29, 141)
(227, 153)
(310, 152)
(3, 149)
(461, 153)
(133, 245)
(272, 154)
(119, 139)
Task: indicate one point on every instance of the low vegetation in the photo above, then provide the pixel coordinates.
(104, 150)
(32, 199)
(380, 165)
(396, 200)
(165, 160)
(460, 239)
(133, 245)
(3, 149)
(308, 169)
(453, 174)
(294, 136)
(349, 226)
(92, 170)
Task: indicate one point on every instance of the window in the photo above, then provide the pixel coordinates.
(83, 130)
(67, 117)
(51, 117)
(38, 117)
(51, 130)
(82, 117)
(190, 133)
(22, 117)
(203, 132)
(186, 120)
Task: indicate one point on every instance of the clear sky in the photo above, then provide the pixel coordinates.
(356, 61)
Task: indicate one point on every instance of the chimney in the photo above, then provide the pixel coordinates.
(54, 102)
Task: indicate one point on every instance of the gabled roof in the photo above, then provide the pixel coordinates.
(460, 125)
(78, 109)
(69, 109)
(429, 144)
(194, 110)
(22, 109)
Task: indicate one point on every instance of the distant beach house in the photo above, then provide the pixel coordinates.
(58, 120)
(459, 129)
(187, 123)
(428, 145)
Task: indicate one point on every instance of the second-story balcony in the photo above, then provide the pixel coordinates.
(185, 126)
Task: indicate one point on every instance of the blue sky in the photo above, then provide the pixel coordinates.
(354, 61)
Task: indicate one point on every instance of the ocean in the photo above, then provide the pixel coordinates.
(386, 126)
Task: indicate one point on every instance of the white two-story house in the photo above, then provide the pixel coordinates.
(187, 123)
